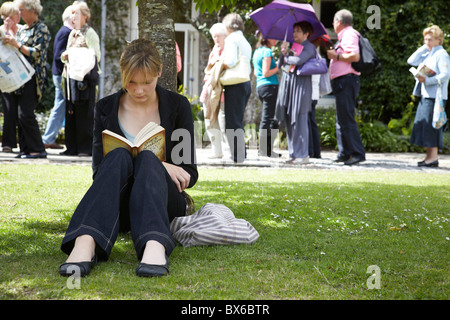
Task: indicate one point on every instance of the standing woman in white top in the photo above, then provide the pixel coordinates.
(237, 95)
(435, 57)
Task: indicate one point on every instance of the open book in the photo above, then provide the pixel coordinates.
(152, 137)
(422, 70)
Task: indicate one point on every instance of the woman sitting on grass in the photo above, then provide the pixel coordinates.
(142, 194)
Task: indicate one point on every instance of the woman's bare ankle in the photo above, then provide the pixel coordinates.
(83, 250)
(154, 253)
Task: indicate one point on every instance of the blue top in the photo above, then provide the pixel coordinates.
(59, 47)
(258, 56)
(438, 60)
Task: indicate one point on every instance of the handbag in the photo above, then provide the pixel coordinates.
(439, 115)
(238, 74)
(315, 65)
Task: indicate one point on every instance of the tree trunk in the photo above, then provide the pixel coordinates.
(156, 24)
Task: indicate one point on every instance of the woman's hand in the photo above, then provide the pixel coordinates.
(7, 39)
(421, 79)
(179, 176)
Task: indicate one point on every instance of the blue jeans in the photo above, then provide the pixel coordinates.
(268, 96)
(56, 119)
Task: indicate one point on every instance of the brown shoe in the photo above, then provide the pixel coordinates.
(53, 145)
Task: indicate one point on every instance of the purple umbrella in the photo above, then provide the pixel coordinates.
(275, 20)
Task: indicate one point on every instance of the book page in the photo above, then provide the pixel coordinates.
(150, 129)
(156, 144)
(112, 141)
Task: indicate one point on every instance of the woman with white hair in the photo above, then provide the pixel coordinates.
(81, 95)
(32, 40)
(212, 95)
(434, 56)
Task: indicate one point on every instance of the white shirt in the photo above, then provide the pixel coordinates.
(233, 42)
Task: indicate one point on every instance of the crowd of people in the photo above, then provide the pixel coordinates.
(291, 100)
(288, 97)
(75, 76)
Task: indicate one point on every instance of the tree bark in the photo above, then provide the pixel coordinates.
(156, 24)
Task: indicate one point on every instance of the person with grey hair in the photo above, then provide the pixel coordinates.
(57, 116)
(212, 96)
(346, 84)
(236, 95)
(32, 40)
(81, 94)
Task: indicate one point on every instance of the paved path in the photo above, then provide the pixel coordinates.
(375, 161)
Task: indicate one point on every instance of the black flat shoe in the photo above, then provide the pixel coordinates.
(341, 159)
(353, 160)
(84, 268)
(153, 270)
(41, 155)
(433, 164)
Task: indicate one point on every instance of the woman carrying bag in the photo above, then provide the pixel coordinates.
(236, 51)
(434, 56)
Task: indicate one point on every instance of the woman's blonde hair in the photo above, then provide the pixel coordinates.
(140, 55)
(436, 32)
(84, 9)
(8, 9)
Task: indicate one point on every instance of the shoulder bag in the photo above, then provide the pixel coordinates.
(237, 74)
(315, 65)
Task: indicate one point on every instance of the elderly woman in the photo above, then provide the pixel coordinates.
(11, 17)
(80, 95)
(212, 95)
(32, 41)
(434, 56)
(237, 95)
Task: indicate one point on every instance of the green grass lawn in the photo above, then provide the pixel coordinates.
(320, 231)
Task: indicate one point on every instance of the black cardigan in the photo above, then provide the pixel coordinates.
(175, 113)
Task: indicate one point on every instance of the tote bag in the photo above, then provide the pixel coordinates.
(238, 74)
(439, 115)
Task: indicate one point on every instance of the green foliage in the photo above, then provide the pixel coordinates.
(215, 6)
(385, 95)
(376, 135)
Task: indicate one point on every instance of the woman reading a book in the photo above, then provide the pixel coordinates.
(140, 194)
(433, 56)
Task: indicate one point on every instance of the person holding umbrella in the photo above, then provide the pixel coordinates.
(296, 101)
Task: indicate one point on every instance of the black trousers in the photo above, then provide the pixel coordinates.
(346, 90)
(20, 110)
(236, 98)
(79, 127)
(127, 194)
